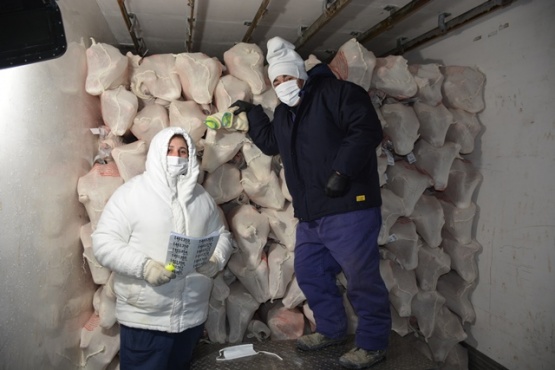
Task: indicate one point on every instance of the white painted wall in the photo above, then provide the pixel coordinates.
(515, 296)
(45, 146)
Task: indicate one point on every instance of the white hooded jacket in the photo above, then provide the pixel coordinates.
(135, 225)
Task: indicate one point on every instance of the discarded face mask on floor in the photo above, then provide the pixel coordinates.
(239, 351)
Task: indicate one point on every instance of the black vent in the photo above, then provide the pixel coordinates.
(30, 31)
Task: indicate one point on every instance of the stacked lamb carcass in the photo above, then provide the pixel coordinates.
(428, 254)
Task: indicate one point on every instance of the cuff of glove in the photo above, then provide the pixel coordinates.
(210, 268)
(145, 264)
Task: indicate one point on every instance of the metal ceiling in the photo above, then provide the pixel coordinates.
(316, 27)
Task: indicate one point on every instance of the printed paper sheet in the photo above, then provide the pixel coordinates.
(186, 253)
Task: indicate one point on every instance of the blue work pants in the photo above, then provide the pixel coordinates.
(344, 242)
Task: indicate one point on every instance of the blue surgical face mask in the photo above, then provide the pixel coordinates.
(288, 92)
(177, 165)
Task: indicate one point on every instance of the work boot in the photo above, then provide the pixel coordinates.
(359, 358)
(312, 342)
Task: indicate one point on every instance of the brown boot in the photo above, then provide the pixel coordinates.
(314, 341)
(359, 358)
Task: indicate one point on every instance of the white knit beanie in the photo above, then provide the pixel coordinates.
(283, 60)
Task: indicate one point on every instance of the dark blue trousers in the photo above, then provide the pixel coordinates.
(143, 349)
(344, 242)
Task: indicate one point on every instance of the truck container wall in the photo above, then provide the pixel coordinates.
(45, 146)
(515, 298)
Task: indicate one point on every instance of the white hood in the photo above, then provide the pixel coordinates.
(157, 168)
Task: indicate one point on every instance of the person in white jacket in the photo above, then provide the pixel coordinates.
(161, 315)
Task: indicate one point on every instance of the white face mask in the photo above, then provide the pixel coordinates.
(288, 92)
(177, 165)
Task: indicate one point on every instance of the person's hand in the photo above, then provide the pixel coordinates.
(210, 268)
(337, 185)
(242, 106)
(156, 274)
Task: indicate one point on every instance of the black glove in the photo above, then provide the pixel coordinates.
(337, 185)
(242, 106)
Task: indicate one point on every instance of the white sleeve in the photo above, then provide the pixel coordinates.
(224, 248)
(111, 236)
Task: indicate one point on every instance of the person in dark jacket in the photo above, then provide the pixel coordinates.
(326, 132)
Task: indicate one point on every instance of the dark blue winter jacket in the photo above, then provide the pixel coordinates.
(334, 128)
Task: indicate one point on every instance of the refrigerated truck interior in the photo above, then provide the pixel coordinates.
(51, 126)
